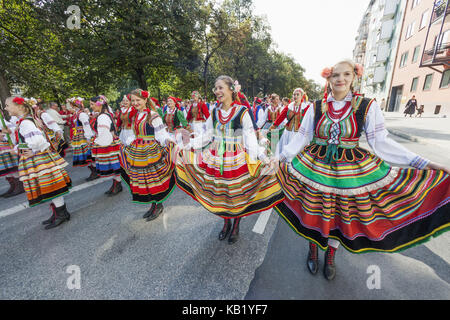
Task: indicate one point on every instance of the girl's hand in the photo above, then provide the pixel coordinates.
(436, 166)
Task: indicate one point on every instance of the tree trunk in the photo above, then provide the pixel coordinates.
(205, 78)
(5, 90)
(140, 77)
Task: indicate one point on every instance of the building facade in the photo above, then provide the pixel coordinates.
(422, 66)
(377, 44)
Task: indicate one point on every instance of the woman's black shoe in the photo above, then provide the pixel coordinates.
(116, 189)
(150, 211)
(61, 215)
(158, 210)
(234, 236)
(329, 270)
(313, 258)
(225, 230)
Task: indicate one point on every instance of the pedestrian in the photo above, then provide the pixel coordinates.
(66, 114)
(198, 114)
(410, 107)
(226, 177)
(174, 120)
(339, 193)
(9, 161)
(52, 125)
(41, 170)
(293, 116)
(106, 144)
(81, 137)
(125, 120)
(147, 163)
(383, 104)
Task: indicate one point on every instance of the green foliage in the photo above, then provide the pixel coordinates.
(170, 47)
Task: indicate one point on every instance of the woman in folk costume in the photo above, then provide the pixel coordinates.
(125, 119)
(147, 161)
(226, 177)
(198, 113)
(174, 119)
(54, 132)
(105, 146)
(81, 135)
(294, 115)
(40, 168)
(339, 193)
(9, 161)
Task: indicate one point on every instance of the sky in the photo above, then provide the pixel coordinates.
(317, 33)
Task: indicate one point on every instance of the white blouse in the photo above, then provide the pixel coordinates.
(376, 135)
(255, 151)
(84, 119)
(34, 137)
(11, 125)
(104, 136)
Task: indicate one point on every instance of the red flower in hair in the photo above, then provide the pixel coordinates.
(19, 100)
(144, 94)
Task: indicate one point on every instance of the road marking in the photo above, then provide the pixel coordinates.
(261, 223)
(24, 205)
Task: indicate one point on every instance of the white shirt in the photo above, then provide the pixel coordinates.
(50, 123)
(104, 135)
(84, 119)
(161, 134)
(376, 135)
(34, 137)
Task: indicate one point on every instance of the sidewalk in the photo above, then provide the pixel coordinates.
(430, 129)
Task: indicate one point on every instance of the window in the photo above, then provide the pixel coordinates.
(415, 3)
(416, 54)
(403, 59)
(410, 30)
(445, 81)
(428, 81)
(414, 83)
(425, 19)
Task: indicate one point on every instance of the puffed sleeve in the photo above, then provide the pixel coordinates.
(300, 140)
(34, 137)
(104, 137)
(261, 118)
(50, 123)
(383, 146)
(199, 141)
(255, 151)
(161, 134)
(84, 119)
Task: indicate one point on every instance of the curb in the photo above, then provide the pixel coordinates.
(404, 135)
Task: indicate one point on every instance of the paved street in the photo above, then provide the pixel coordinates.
(178, 256)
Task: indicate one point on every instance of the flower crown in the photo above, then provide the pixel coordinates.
(359, 71)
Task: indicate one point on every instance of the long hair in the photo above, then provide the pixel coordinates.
(230, 83)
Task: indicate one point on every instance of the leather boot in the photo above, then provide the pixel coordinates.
(61, 216)
(18, 188)
(117, 188)
(158, 210)
(110, 189)
(11, 187)
(150, 211)
(329, 270)
(234, 236)
(52, 217)
(313, 258)
(94, 175)
(225, 230)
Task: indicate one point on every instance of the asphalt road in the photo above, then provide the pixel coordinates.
(107, 251)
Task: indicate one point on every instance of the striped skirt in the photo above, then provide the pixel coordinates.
(82, 155)
(8, 162)
(242, 188)
(363, 203)
(148, 170)
(44, 177)
(107, 160)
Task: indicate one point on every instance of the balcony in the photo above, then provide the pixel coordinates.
(383, 52)
(390, 9)
(386, 30)
(437, 56)
(440, 9)
(379, 75)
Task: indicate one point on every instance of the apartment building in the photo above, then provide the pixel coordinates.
(376, 46)
(422, 64)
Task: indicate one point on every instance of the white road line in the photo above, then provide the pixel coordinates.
(261, 223)
(24, 205)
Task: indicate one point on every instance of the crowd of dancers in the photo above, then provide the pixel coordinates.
(301, 158)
